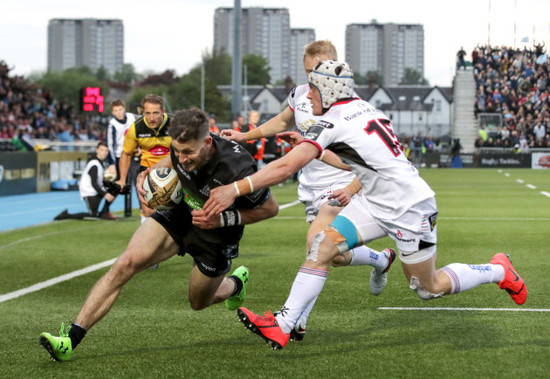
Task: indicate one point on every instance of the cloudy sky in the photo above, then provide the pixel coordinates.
(173, 34)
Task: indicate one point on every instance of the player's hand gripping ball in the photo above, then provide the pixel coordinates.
(162, 188)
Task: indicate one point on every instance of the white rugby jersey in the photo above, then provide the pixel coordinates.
(315, 173)
(363, 138)
(115, 134)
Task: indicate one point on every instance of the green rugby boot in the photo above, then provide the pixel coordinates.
(60, 348)
(237, 300)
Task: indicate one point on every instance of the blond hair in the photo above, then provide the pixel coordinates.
(323, 48)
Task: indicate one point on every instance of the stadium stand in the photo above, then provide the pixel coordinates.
(512, 97)
(28, 112)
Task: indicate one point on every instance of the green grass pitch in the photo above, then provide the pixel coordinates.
(152, 332)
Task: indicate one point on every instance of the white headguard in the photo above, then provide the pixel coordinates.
(334, 80)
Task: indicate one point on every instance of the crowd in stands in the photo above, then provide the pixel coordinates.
(513, 83)
(28, 112)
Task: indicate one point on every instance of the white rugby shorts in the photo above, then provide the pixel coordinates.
(414, 232)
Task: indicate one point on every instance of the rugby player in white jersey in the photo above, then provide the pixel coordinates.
(395, 201)
(320, 182)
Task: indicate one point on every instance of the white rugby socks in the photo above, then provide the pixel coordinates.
(364, 255)
(464, 276)
(306, 287)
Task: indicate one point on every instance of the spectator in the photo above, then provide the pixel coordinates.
(461, 62)
(515, 84)
(539, 130)
(212, 124)
(249, 146)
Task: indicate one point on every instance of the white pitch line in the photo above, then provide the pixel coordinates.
(38, 236)
(71, 275)
(296, 202)
(521, 181)
(51, 282)
(495, 218)
(464, 309)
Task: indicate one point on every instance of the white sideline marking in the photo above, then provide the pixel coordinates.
(71, 275)
(36, 237)
(496, 218)
(521, 181)
(296, 202)
(463, 309)
(51, 282)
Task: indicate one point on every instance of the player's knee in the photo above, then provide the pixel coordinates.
(422, 292)
(197, 304)
(322, 248)
(125, 265)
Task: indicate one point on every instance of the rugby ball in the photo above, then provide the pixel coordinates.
(162, 188)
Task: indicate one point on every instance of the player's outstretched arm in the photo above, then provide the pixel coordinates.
(283, 121)
(275, 172)
(233, 135)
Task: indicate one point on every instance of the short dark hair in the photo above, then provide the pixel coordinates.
(102, 143)
(154, 99)
(118, 103)
(189, 124)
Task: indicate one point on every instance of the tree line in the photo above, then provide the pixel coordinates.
(179, 91)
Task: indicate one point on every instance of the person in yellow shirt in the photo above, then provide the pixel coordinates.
(150, 134)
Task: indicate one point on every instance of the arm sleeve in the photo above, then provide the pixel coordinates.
(130, 141)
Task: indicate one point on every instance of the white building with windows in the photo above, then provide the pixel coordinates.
(298, 39)
(387, 49)
(85, 42)
(414, 110)
(264, 31)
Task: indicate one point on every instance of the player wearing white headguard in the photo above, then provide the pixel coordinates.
(319, 182)
(396, 202)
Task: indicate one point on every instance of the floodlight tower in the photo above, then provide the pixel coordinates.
(236, 68)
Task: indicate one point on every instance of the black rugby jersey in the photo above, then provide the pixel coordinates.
(230, 162)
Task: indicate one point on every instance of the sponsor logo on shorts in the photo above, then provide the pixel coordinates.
(399, 236)
(207, 267)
